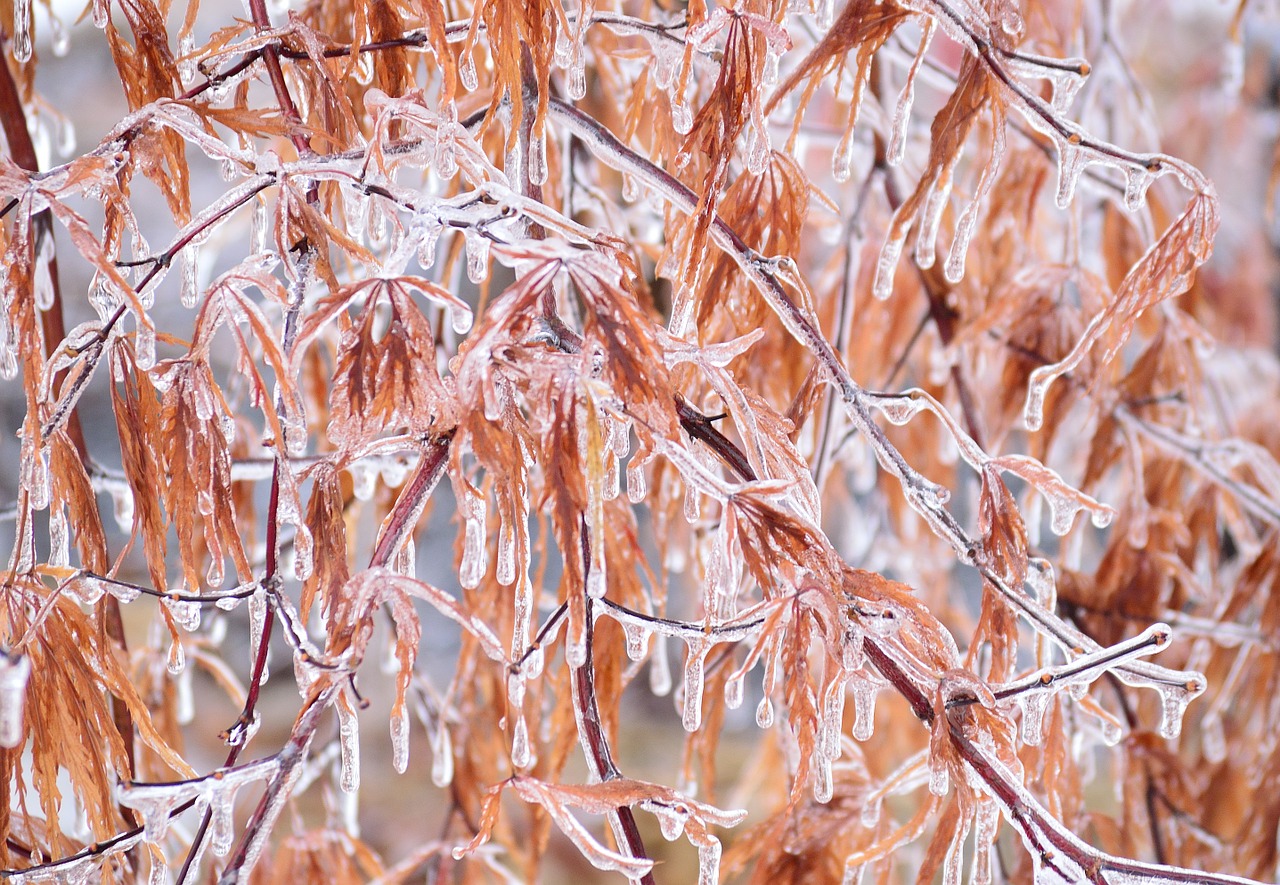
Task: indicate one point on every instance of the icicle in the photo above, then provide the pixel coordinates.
(577, 87)
(733, 690)
(22, 30)
(1137, 179)
(681, 115)
(66, 144)
(694, 664)
(145, 346)
(15, 670)
(474, 555)
(477, 249)
(467, 71)
(1173, 703)
(400, 739)
(842, 159)
(637, 486)
(537, 162)
(758, 150)
(257, 616)
(823, 781)
(60, 38)
(59, 554)
(441, 756)
(1071, 162)
(939, 778)
(930, 220)
(190, 283)
(709, 854)
(887, 264)
(660, 667)
(864, 708)
(637, 639)
(184, 699)
(521, 753)
(1033, 704)
(986, 827)
(349, 749)
(691, 504)
(222, 810)
(831, 725)
(902, 113)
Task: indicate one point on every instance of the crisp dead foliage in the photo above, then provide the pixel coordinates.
(532, 396)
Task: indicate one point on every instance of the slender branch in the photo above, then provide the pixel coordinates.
(591, 730)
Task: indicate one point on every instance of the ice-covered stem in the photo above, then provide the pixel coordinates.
(404, 516)
(595, 743)
(254, 838)
(271, 59)
(766, 274)
(1055, 846)
(22, 150)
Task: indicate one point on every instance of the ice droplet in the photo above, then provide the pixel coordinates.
(764, 713)
(177, 662)
(15, 670)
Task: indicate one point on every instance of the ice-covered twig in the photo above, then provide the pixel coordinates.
(925, 497)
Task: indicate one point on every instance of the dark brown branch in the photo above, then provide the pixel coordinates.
(591, 729)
